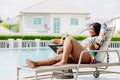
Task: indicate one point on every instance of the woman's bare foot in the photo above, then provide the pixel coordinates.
(30, 63)
(60, 63)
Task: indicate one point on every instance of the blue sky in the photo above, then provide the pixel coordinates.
(96, 8)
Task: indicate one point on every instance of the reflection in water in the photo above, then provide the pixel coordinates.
(10, 59)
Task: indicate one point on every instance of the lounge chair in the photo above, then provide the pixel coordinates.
(100, 66)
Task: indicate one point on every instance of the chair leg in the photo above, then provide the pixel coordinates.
(52, 77)
(17, 73)
(77, 71)
(35, 75)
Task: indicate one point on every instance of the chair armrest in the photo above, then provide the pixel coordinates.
(54, 47)
(81, 54)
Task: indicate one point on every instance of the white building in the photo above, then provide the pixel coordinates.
(115, 22)
(53, 17)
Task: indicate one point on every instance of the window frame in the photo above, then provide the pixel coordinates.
(37, 20)
(56, 23)
(74, 21)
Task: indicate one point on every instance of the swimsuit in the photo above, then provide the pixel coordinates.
(93, 41)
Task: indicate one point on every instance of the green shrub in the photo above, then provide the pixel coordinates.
(118, 32)
(29, 37)
(16, 28)
(45, 37)
(80, 37)
(116, 38)
(5, 25)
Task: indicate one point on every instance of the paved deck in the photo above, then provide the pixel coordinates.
(110, 76)
(81, 77)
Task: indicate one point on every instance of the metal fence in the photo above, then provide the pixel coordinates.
(37, 43)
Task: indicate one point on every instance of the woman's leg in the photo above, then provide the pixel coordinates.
(49, 61)
(73, 48)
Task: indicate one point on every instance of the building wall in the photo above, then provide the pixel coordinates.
(115, 22)
(47, 23)
(65, 26)
(27, 21)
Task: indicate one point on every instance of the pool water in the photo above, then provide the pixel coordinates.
(10, 59)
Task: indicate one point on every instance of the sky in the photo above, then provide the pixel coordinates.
(97, 8)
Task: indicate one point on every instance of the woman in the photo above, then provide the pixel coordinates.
(71, 49)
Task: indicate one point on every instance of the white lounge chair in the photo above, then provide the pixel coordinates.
(100, 66)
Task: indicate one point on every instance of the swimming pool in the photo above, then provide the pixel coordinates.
(11, 58)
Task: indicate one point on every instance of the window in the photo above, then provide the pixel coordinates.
(74, 21)
(56, 25)
(37, 20)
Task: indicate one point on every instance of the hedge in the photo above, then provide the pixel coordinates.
(29, 37)
(46, 37)
(116, 38)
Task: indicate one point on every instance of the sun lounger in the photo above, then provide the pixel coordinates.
(100, 66)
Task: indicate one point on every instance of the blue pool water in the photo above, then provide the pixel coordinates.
(10, 59)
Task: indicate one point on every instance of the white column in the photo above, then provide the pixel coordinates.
(11, 42)
(37, 42)
(19, 43)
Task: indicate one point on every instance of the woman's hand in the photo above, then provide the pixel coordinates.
(95, 46)
(59, 50)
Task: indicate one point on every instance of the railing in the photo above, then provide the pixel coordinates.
(19, 43)
(114, 44)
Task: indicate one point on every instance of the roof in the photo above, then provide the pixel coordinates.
(11, 21)
(54, 6)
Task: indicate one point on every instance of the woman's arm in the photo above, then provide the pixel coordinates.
(59, 50)
(102, 33)
(100, 38)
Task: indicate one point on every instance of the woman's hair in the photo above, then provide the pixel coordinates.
(97, 27)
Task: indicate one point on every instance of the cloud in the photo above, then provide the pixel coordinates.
(101, 8)
(97, 8)
(12, 8)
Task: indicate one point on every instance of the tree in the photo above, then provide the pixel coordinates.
(16, 28)
(5, 25)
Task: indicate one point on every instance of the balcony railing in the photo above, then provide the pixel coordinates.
(37, 43)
